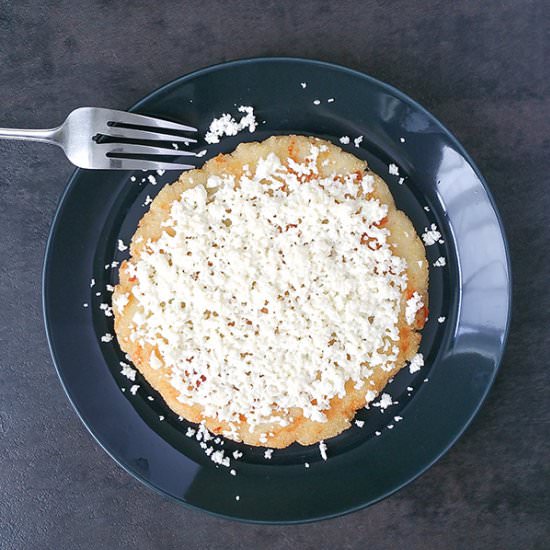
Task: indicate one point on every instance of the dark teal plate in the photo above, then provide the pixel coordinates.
(462, 354)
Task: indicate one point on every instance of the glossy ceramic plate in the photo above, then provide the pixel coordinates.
(431, 408)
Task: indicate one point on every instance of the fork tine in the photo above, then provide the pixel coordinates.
(136, 164)
(122, 117)
(132, 133)
(138, 149)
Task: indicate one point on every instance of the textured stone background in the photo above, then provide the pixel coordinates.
(481, 67)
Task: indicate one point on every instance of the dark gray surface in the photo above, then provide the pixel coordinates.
(481, 67)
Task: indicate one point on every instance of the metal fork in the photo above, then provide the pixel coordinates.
(77, 135)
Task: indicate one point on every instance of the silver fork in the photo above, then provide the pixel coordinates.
(76, 137)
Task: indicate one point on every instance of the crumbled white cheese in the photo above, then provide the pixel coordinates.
(345, 140)
(377, 433)
(92, 282)
(268, 453)
(393, 169)
(400, 181)
(402, 140)
(303, 84)
(175, 146)
(107, 337)
(416, 362)
(148, 200)
(152, 180)
(134, 389)
(121, 246)
(398, 418)
(330, 100)
(109, 288)
(385, 401)
(107, 309)
(161, 418)
(359, 423)
(440, 262)
(132, 178)
(237, 497)
(226, 125)
(233, 472)
(85, 304)
(427, 208)
(323, 450)
(390, 426)
(237, 455)
(160, 172)
(128, 371)
(293, 289)
(190, 432)
(357, 141)
(431, 235)
(202, 153)
(413, 306)
(316, 102)
(306, 464)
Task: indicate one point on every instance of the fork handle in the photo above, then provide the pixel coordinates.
(48, 135)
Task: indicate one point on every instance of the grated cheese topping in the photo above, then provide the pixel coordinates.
(413, 306)
(250, 298)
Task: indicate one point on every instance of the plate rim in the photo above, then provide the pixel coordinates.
(403, 97)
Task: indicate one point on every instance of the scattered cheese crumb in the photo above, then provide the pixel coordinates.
(323, 450)
(107, 337)
(161, 418)
(128, 371)
(359, 423)
(233, 472)
(330, 100)
(431, 236)
(85, 304)
(237, 455)
(345, 140)
(385, 401)
(268, 453)
(402, 140)
(133, 178)
(152, 180)
(134, 389)
(160, 172)
(440, 262)
(121, 246)
(190, 432)
(306, 464)
(150, 398)
(237, 497)
(427, 208)
(226, 125)
(92, 282)
(400, 181)
(441, 319)
(303, 84)
(377, 433)
(316, 102)
(175, 146)
(201, 153)
(416, 362)
(393, 169)
(148, 200)
(357, 141)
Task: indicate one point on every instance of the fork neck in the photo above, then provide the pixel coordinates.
(48, 135)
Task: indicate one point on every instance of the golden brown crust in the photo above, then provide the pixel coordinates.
(403, 239)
